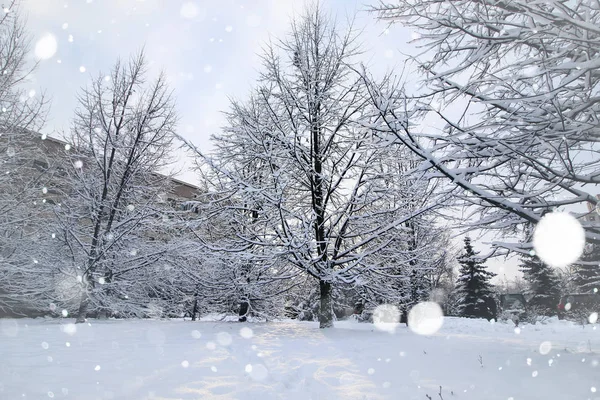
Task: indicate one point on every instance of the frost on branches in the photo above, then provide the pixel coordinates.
(22, 211)
(515, 87)
(307, 185)
(110, 224)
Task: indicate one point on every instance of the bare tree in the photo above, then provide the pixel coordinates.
(303, 173)
(515, 86)
(112, 225)
(21, 180)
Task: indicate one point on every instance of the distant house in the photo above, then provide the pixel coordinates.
(592, 216)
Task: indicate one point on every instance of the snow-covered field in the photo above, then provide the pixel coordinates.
(156, 359)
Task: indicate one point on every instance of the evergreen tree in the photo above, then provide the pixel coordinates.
(543, 285)
(474, 289)
(587, 274)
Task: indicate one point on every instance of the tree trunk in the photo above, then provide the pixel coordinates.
(326, 309)
(244, 305)
(195, 309)
(83, 306)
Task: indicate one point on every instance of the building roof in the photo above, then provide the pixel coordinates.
(54, 145)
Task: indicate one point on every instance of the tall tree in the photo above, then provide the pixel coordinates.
(543, 285)
(110, 223)
(586, 273)
(474, 288)
(300, 159)
(21, 183)
(514, 86)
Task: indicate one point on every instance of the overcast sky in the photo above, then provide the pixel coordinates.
(209, 50)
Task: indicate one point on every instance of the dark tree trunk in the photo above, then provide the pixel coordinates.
(244, 306)
(83, 307)
(195, 309)
(326, 309)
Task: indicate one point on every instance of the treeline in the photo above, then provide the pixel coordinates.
(324, 191)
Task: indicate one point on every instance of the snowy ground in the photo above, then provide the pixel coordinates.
(153, 359)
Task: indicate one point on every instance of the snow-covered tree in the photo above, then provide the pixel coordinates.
(21, 155)
(304, 175)
(111, 224)
(543, 285)
(514, 86)
(586, 274)
(473, 287)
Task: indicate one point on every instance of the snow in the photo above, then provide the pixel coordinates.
(158, 359)
(386, 317)
(425, 318)
(189, 10)
(558, 239)
(46, 47)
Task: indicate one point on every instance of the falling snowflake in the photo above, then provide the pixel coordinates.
(69, 329)
(196, 334)
(386, 317)
(185, 364)
(258, 372)
(545, 347)
(189, 10)
(246, 333)
(45, 47)
(426, 318)
(558, 239)
(224, 338)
